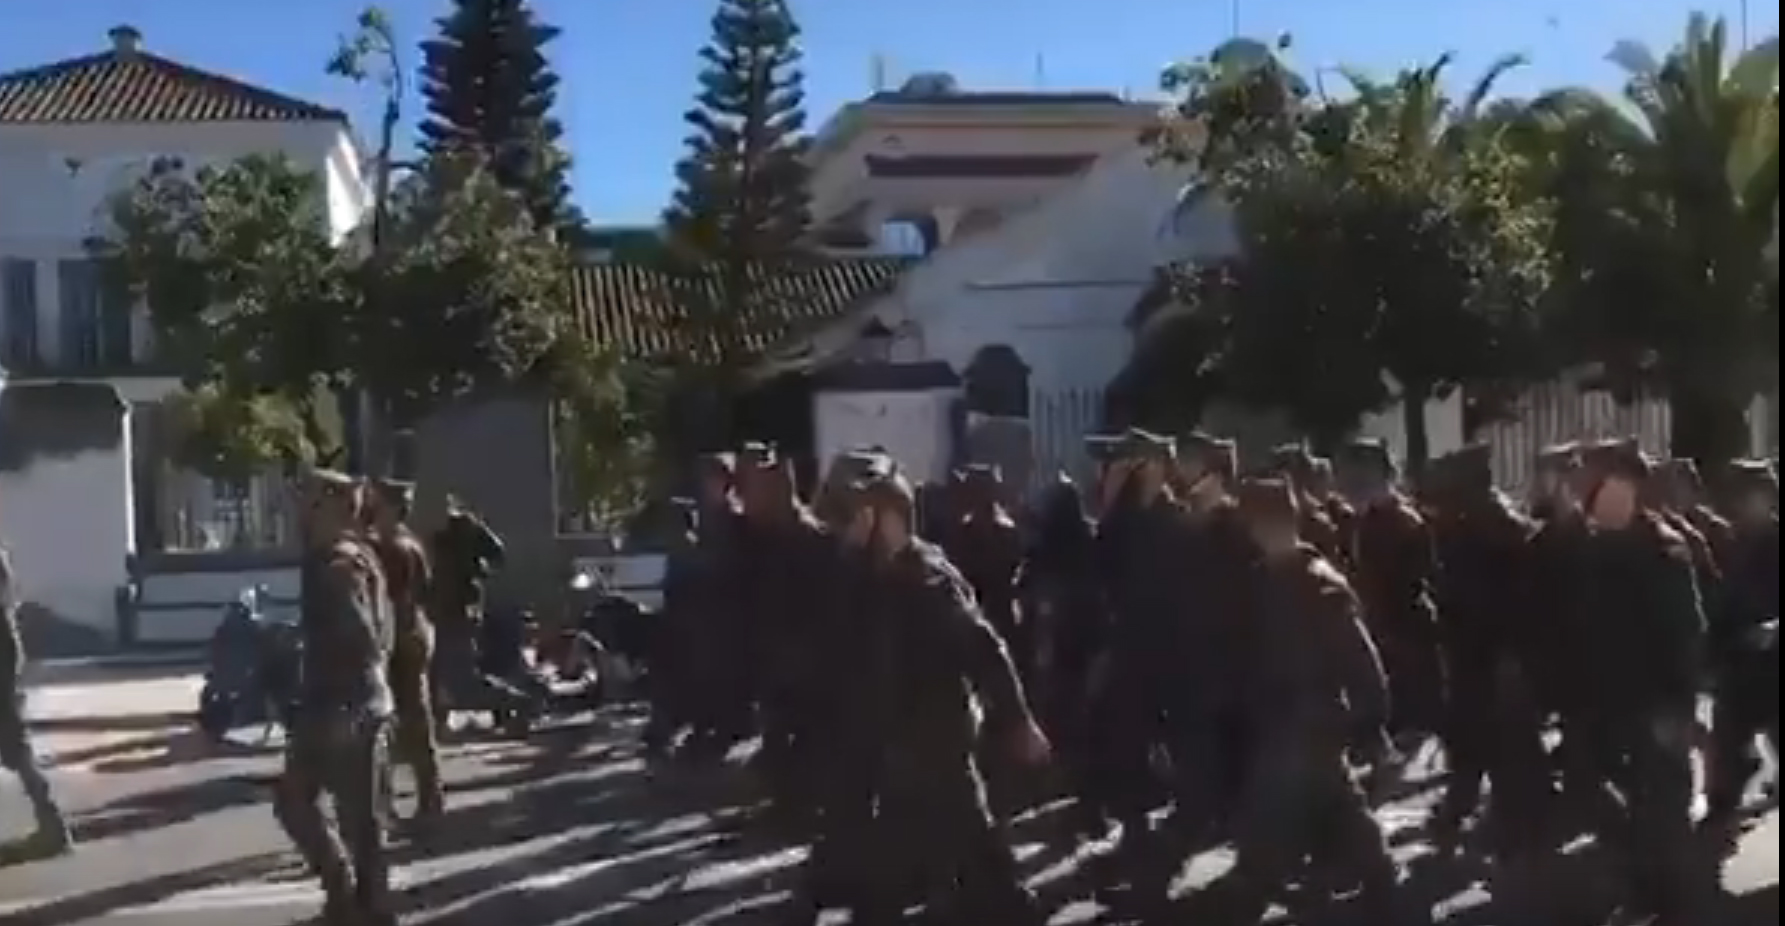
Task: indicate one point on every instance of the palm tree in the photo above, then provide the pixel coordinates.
(1667, 216)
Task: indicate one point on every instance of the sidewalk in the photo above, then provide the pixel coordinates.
(75, 723)
(113, 667)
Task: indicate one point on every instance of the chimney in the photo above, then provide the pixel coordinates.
(125, 39)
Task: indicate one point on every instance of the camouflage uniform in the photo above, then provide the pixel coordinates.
(16, 754)
(339, 735)
(405, 566)
(1314, 686)
(463, 553)
(916, 820)
(785, 551)
(1745, 649)
(1394, 568)
(1646, 655)
(1493, 728)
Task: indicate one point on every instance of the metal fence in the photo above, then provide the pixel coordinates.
(1060, 420)
(1560, 412)
(196, 513)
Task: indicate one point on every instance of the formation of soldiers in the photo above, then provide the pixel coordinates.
(1253, 654)
(1250, 654)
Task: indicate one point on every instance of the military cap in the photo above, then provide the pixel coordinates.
(1102, 447)
(1292, 460)
(1559, 458)
(1683, 473)
(1471, 466)
(331, 482)
(981, 473)
(758, 455)
(396, 492)
(854, 465)
(1214, 454)
(1139, 443)
(1621, 457)
(1267, 497)
(1753, 476)
(1371, 452)
(880, 479)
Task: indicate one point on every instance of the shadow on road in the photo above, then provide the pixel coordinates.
(156, 809)
(94, 905)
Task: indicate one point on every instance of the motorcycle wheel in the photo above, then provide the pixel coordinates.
(216, 714)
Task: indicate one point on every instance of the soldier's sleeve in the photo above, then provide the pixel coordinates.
(347, 602)
(1677, 612)
(1354, 654)
(422, 571)
(12, 649)
(979, 650)
(490, 547)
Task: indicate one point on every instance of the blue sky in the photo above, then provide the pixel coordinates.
(628, 65)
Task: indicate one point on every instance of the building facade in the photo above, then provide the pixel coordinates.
(87, 495)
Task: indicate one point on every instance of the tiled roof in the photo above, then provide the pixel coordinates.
(133, 86)
(995, 98)
(978, 165)
(635, 307)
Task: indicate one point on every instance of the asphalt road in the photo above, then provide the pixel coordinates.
(568, 830)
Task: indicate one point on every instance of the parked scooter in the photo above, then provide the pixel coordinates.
(619, 633)
(253, 673)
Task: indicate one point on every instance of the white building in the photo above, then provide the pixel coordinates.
(1044, 221)
(83, 493)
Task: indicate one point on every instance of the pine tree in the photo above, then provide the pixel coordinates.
(489, 87)
(743, 197)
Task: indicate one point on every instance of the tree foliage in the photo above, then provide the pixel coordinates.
(1667, 226)
(251, 298)
(1384, 250)
(470, 294)
(490, 90)
(742, 197)
(247, 295)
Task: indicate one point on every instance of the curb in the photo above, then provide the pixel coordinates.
(41, 673)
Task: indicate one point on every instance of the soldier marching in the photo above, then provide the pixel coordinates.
(1253, 654)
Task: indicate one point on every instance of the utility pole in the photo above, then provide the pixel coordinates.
(1233, 12)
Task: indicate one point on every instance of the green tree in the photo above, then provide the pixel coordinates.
(1667, 217)
(741, 211)
(489, 88)
(474, 295)
(743, 198)
(251, 298)
(1384, 253)
(247, 296)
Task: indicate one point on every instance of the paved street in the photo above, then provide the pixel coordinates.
(568, 830)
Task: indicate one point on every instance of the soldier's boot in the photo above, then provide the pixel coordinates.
(52, 836)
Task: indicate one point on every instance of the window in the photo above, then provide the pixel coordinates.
(96, 324)
(196, 512)
(18, 324)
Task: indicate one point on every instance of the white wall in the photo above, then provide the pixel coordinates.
(69, 526)
(184, 607)
(56, 179)
(1056, 282)
(913, 426)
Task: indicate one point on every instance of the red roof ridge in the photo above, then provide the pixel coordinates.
(105, 87)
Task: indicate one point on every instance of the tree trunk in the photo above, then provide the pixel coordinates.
(1709, 429)
(1413, 420)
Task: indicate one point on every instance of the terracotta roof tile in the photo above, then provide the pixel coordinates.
(634, 308)
(138, 87)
